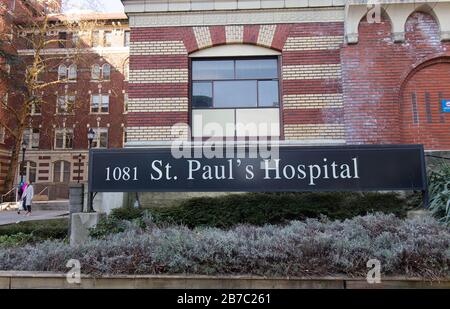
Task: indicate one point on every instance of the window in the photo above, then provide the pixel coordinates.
(36, 108)
(66, 104)
(63, 139)
(2, 135)
(127, 38)
(101, 73)
(62, 39)
(31, 138)
(95, 38)
(73, 72)
(75, 38)
(107, 38)
(239, 97)
(235, 83)
(61, 171)
(29, 171)
(125, 102)
(95, 72)
(125, 136)
(29, 38)
(101, 138)
(100, 103)
(62, 72)
(106, 72)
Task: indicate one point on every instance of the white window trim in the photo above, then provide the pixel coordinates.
(29, 142)
(64, 131)
(100, 103)
(66, 104)
(101, 77)
(98, 131)
(61, 171)
(2, 134)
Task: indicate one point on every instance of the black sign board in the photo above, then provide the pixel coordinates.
(295, 168)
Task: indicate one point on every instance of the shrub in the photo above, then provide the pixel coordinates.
(47, 229)
(16, 240)
(413, 247)
(277, 208)
(439, 189)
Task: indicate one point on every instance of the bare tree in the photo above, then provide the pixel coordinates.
(29, 75)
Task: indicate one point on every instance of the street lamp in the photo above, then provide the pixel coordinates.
(24, 149)
(90, 137)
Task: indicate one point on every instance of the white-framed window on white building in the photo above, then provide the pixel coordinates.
(61, 171)
(2, 134)
(126, 36)
(29, 171)
(101, 138)
(65, 104)
(100, 103)
(31, 137)
(64, 138)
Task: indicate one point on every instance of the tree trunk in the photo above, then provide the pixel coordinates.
(12, 170)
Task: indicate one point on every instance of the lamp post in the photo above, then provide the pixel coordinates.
(90, 137)
(24, 149)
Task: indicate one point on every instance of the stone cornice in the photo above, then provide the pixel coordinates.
(241, 17)
(142, 6)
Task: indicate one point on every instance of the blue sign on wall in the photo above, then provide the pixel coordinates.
(446, 106)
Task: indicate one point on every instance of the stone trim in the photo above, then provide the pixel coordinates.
(248, 17)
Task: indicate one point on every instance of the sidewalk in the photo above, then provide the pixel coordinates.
(10, 217)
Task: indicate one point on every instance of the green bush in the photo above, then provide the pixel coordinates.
(126, 213)
(16, 240)
(439, 189)
(277, 208)
(47, 229)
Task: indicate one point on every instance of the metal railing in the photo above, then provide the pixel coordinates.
(2, 198)
(43, 190)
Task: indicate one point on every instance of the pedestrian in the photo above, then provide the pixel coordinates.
(20, 193)
(28, 196)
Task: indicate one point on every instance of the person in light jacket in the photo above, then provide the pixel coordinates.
(27, 197)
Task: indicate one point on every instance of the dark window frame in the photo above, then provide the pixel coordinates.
(234, 59)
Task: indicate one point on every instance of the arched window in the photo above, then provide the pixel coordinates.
(106, 71)
(61, 171)
(95, 73)
(73, 72)
(62, 72)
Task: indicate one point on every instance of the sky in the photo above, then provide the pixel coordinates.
(96, 5)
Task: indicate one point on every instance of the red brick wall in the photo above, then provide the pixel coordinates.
(374, 71)
(148, 40)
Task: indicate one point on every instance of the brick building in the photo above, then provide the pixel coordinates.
(315, 72)
(92, 95)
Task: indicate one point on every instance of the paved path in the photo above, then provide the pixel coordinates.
(10, 217)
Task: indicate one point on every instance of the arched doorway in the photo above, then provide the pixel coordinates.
(422, 118)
